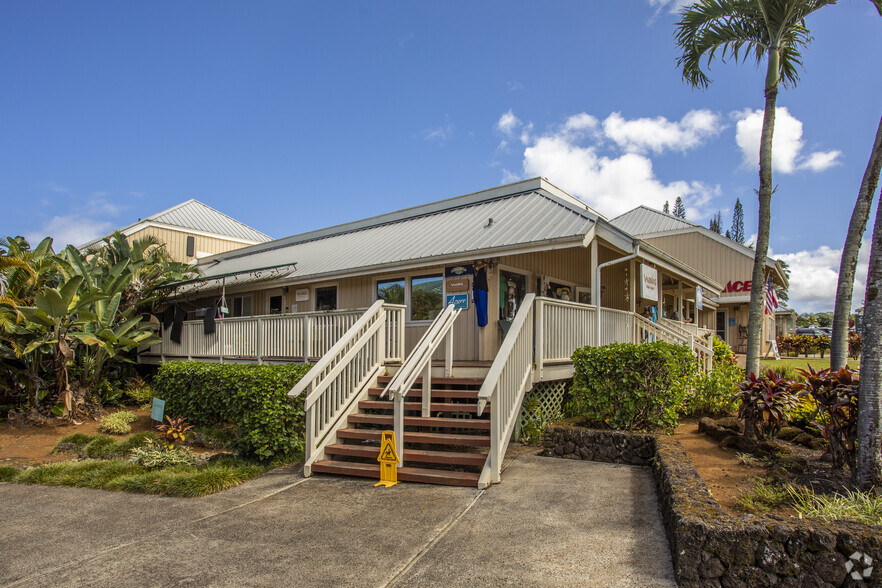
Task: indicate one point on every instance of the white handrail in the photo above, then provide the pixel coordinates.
(509, 378)
(647, 331)
(340, 378)
(420, 363)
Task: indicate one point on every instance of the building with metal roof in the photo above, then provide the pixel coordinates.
(726, 261)
(191, 230)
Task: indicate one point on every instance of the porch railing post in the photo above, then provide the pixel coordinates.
(448, 354)
(220, 341)
(307, 337)
(398, 426)
(539, 351)
(259, 335)
(427, 390)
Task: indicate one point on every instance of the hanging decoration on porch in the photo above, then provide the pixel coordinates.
(627, 286)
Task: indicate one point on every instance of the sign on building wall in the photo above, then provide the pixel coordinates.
(699, 303)
(458, 300)
(648, 282)
(302, 295)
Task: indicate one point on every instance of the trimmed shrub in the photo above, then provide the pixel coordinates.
(633, 387)
(712, 392)
(253, 397)
(117, 423)
(155, 455)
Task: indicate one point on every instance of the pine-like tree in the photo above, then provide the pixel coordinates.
(667, 207)
(728, 235)
(716, 223)
(738, 222)
(679, 208)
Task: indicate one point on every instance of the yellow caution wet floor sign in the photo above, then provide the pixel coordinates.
(388, 460)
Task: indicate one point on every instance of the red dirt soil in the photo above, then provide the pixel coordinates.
(720, 469)
(25, 446)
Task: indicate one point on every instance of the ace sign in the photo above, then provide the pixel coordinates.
(648, 283)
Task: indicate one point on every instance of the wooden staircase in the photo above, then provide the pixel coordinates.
(449, 447)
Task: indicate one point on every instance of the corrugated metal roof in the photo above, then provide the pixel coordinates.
(193, 214)
(645, 221)
(436, 230)
(197, 216)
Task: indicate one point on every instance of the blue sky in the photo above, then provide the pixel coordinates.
(291, 116)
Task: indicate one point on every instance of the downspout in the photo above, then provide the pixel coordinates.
(597, 283)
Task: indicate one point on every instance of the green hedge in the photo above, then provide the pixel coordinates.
(253, 397)
(633, 387)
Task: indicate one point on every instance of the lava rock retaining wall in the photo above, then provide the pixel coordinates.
(709, 547)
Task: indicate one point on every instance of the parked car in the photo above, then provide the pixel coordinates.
(811, 332)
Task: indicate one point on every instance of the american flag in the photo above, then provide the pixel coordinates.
(771, 297)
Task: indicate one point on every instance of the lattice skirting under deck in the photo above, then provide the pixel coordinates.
(548, 397)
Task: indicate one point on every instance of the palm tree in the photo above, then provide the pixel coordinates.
(773, 30)
(869, 431)
(856, 228)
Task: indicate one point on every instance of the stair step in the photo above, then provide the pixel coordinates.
(440, 380)
(405, 474)
(382, 419)
(433, 407)
(418, 437)
(411, 455)
(436, 393)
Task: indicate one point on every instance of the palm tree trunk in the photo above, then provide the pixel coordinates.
(869, 431)
(848, 264)
(757, 289)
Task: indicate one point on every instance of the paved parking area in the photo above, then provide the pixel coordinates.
(550, 522)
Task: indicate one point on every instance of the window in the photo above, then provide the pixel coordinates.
(426, 297)
(242, 306)
(191, 246)
(326, 298)
(275, 305)
(392, 291)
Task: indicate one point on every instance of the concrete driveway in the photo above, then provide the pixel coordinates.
(550, 522)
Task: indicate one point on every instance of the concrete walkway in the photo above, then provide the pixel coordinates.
(550, 522)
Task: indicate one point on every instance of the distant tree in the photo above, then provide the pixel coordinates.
(728, 235)
(679, 208)
(667, 207)
(738, 222)
(848, 264)
(780, 290)
(716, 223)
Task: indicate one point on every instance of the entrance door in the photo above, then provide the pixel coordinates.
(722, 327)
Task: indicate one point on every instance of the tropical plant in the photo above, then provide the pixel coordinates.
(118, 423)
(839, 345)
(174, 430)
(773, 30)
(836, 394)
(765, 403)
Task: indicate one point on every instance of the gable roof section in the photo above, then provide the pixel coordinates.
(196, 216)
(645, 223)
(530, 213)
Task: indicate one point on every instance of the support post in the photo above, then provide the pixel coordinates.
(427, 390)
(680, 300)
(448, 353)
(398, 426)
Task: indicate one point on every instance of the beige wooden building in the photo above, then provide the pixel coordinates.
(192, 230)
(722, 259)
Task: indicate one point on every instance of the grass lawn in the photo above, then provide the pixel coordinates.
(107, 467)
(802, 362)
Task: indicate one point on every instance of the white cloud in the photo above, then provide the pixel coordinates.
(787, 142)
(441, 133)
(507, 123)
(659, 134)
(673, 6)
(71, 229)
(814, 275)
(573, 156)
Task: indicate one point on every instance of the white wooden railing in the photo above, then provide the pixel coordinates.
(687, 328)
(616, 326)
(509, 378)
(294, 337)
(343, 375)
(647, 331)
(419, 363)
